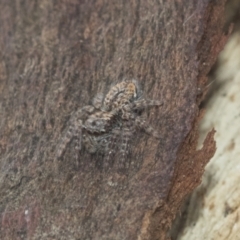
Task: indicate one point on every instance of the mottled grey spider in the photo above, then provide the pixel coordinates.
(110, 122)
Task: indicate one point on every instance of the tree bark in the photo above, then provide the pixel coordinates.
(55, 56)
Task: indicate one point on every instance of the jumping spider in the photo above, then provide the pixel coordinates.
(110, 122)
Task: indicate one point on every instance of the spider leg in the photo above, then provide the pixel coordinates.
(142, 124)
(73, 129)
(69, 133)
(89, 142)
(127, 109)
(144, 103)
(78, 138)
(111, 147)
(98, 100)
(141, 104)
(124, 149)
(82, 113)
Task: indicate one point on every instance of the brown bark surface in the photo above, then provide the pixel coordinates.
(55, 56)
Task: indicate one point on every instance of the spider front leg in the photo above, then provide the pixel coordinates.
(69, 133)
(142, 124)
(74, 129)
(141, 104)
(144, 103)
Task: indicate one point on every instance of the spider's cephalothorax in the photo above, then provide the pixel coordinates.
(110, 122)
(120, 94)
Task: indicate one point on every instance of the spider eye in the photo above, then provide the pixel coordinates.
(94, 124)
(97, 123)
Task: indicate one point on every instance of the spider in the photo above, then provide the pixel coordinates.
(110, 122)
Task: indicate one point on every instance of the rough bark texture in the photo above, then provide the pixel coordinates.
(55, 56)
(214, 207)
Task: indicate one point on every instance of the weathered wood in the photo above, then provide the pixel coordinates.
(213, 208)
(55, 56)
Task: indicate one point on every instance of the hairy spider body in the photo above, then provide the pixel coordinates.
(100, 122)
(109, 123)
(96, 143)
(89, 124)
